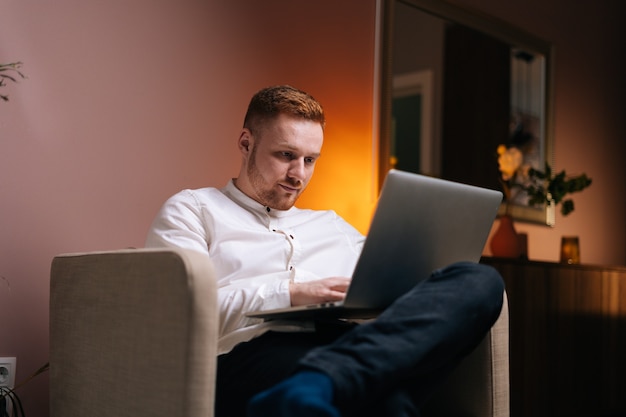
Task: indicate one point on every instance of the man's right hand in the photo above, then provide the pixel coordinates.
(318, 291)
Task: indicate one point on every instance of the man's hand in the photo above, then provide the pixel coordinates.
(319, 291)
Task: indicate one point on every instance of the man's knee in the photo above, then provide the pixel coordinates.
(475, 275)
(477, 283)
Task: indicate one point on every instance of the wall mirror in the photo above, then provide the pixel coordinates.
(455, 85)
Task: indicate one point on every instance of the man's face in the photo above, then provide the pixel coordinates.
(281, 161)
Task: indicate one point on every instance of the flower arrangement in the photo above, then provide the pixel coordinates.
(541, 187)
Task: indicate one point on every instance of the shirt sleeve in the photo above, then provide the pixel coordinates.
(234, 303)
(180, 223)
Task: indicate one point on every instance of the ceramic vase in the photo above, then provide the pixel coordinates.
(505, 242)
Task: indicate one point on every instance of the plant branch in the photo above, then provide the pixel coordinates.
(10, 72)
(6, 280)
(544, 186)
(37, 372)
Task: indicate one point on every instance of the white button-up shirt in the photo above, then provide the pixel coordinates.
(256, 252)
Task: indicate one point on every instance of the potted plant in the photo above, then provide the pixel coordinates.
(540, 187)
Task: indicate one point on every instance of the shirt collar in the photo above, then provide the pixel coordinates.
(231, 191)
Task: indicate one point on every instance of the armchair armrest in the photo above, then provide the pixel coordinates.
(132, 332)
(479, 387)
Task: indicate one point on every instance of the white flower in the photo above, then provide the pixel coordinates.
(509, 161)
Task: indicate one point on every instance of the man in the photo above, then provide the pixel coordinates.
(269, 254)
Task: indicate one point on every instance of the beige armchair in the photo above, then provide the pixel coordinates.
(133, 333)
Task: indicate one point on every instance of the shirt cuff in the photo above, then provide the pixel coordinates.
(277, 295)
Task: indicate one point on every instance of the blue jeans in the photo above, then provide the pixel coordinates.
(387, 366)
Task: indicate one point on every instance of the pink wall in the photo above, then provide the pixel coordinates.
(129, 101)
(126, 102)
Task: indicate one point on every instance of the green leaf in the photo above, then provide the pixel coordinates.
(567, 207)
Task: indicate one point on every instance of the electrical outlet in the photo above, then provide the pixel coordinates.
(7, 372)
(7, 379)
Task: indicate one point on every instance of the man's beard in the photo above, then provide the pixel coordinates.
(271, 197)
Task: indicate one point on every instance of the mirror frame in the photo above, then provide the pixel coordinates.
(489, 25)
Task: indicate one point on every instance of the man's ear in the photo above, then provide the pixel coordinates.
(245, 141)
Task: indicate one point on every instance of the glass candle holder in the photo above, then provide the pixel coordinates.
(570, 250)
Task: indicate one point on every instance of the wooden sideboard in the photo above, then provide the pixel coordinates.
(567, 338)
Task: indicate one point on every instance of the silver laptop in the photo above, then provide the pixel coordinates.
(421, 224)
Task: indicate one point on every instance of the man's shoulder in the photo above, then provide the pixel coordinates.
(198, 197)
(198, 193)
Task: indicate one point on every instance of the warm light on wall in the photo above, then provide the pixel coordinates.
(345, 180)
(346, 175)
